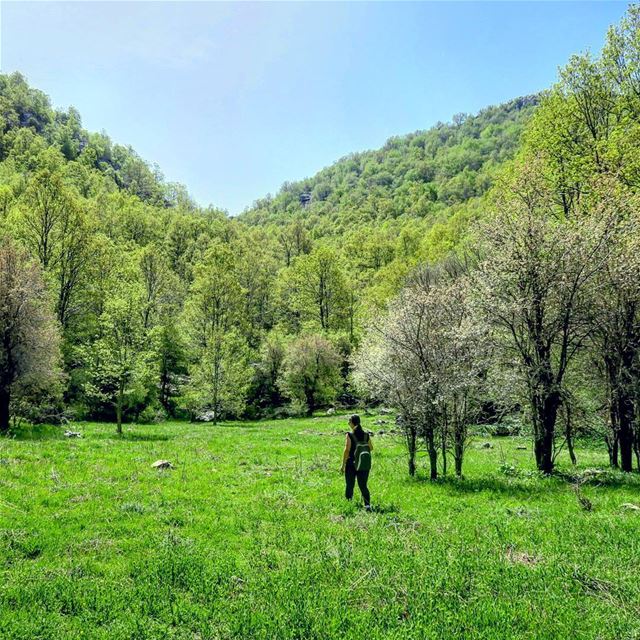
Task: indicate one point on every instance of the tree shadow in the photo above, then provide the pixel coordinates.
(26, 432)
(505, 486)
(534, 484)
(36, 432)
(248, 426)
(132, 436)
(599, 477)
(384, 508)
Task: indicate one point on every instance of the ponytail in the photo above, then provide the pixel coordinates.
(358, 431)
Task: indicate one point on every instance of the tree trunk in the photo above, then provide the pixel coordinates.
(164, 382)
(5, 400)
(612, 437)
(311, 401)
(569, 436)
(622, 373)
(546, 461)
(625, 432)
(572, 453)
(458, 448)
(459, 432)
(410, 432)
(458, 461)
(544, 438)
(536, 417)
(119, 410)
(444, 451)
(433, 454)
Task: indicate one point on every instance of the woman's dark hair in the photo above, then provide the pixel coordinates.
(358, 431)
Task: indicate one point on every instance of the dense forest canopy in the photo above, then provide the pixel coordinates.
(168, 307)
(421, 175)
(482, 267)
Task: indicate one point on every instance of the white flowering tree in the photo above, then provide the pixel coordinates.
(426, 356)
(615, 323)
(534, 287)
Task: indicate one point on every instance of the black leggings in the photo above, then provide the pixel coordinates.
(351, 475)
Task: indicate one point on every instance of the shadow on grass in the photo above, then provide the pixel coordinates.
(384, 508)
(599, 477)
(247, 426)
(36, 432)
(132, 436)
(494, 484)
(352, 509)
(533, 484)
(107, 432)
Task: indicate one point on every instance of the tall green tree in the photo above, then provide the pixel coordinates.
(220, 379)
(119, 362)
(316, 291)
(213, 320)
(533, 289)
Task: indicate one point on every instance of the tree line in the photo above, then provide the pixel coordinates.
(163, 308)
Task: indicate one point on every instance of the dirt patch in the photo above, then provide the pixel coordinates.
(521, 557)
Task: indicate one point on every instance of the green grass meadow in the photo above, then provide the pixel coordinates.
(250, 537)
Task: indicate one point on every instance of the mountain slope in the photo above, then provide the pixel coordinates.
(413, 176)
(28, 122)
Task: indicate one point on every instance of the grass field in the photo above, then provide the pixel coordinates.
(250, 537)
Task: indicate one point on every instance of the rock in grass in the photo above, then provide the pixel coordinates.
(487, 445)
(72, 434)
(331, 411)
(521, 448)
(162, 464)
(629, 506)
(206, 416)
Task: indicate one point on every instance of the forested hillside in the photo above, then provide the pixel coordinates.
(30, 125)
(166, 308)
(424, 175)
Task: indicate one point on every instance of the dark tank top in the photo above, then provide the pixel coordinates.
(352, 450)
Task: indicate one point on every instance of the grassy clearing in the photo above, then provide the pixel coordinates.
(249, 537)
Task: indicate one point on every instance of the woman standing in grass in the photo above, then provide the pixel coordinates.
(356, 460)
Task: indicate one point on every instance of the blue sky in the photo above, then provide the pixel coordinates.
(233, 99)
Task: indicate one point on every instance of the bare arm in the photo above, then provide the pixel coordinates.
(345, 454)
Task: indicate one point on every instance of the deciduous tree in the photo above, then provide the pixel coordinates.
(29, 341)
(311, 372)
(533, 288)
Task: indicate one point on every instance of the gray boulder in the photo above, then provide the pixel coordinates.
(162, 464)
